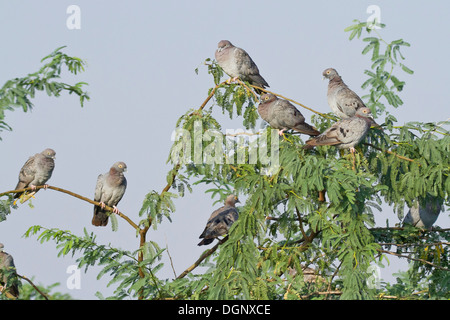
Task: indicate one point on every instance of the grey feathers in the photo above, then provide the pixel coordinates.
(109, 191)
(236, 62)
(220, 221)
(6, 267)
(345, 133)
(36, 171)
(423, 215)
(282, 115)
(343, 101)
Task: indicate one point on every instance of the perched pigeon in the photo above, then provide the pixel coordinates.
(236, 63)
(423, 216)
(345, 133)
(282, 115)
(343, 101)
(36, 172)
(7, 263)
(220, 221)
(109, 191)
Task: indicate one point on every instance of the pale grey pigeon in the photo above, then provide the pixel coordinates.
(423, 216)
(346, 133)
(236, 63)
(282, 115)
(220, 221)
(343, 101)
(109, 191)
(6, 265)
(36, 171)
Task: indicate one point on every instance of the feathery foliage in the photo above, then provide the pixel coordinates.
(18, 92)
(306, 226)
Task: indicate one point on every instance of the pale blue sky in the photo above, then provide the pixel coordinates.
(141, 57)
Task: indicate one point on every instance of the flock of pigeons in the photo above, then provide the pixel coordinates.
(356, 120)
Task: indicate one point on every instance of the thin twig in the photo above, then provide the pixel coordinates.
(300, 104)
(250, 90)
(34, 286)
(415, 259)
(300, 222)
(73, 194)
(170, 258)
(390, 152)
(202, 257)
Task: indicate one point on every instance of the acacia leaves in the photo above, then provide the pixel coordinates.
(382, 82)
(306, 227)
(18, 92)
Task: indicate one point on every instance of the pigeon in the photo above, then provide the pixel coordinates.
(36, 171)
(7, 262)
(220, 221)
(109, 191)
(343, 101)
(282, 115)
(346, 133)
(236, 63)
(423, 216)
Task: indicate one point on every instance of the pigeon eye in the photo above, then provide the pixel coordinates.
(120, 166)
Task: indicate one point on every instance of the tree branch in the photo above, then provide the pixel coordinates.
(34, 286)
(390, 152)
(202, 257)
(411, 258)
(298, 103)
(120, 214)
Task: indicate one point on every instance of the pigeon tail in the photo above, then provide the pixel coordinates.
(100, 218)
(205, 242)
(307, 129)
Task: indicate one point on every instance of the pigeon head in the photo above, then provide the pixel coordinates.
(330, 73)
(231, 200)
(364, 112)
(223, 44)
(120, 166)
(49, 153)
(267, 98)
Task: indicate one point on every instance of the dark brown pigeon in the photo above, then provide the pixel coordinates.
(220, 221)
(109, 191)
(237, 63)
(343, 101)
(282, 115)
(36, 171)
(7, 264)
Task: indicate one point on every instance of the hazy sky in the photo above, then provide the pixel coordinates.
(141, 57)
